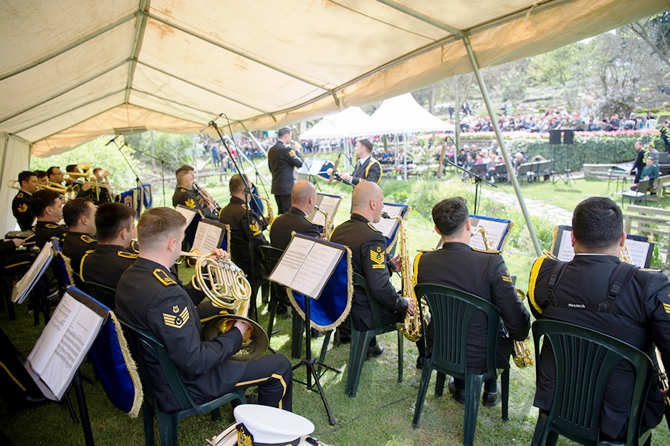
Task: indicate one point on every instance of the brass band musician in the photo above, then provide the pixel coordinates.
(79, 216)
(303, 197)
(185, 195)
(21, 207)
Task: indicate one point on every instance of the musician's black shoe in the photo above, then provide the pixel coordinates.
(375, 351)
(456, 393)
(345, 337)
(420, 361)
(491, 399)
(282, 308)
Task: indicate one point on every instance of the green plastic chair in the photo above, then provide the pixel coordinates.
(102, 293)
(360, 340)
(168, 422)
(581, 380)
(451, 311)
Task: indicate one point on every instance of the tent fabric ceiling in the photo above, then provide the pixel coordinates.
(73, 70)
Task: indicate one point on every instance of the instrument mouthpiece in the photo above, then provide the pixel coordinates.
(385, 215)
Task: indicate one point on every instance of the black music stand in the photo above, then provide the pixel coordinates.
(478, 181)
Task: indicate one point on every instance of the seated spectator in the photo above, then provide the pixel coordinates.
(650, 172)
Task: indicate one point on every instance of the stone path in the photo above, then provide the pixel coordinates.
(536, 208)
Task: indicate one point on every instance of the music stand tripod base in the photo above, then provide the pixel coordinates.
(309, 364)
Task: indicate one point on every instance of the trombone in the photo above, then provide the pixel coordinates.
(55, 187)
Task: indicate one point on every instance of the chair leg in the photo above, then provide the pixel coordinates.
(541, 430)
(359, 348)
(296, 335)
(421, 396)
(168, 426)
(265, 292)
(273, 313)
(216, 414)
(401, 340)
(504, 388)
(439, 384)
(148, 419)
(473, 389)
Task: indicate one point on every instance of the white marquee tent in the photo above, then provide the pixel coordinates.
(73, 70)
(350, 122)
(403, 114)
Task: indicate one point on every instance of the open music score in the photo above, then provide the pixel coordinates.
(388, 225)
(639, 248)
(307, 264)
(209, 235)
(188, 213)
(328, 203)
(497, 229)
(311, 166)
(24, 286)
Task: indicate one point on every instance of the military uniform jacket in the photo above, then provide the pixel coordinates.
(44, 231)
(22, 210)
(640, 316)
(294, 220)
(485, 275)
(235, 215)
(369, 259)
(282, 162)
(105, 265)
(75, 246)
(370, 170)
(189, 198)
(149, 297)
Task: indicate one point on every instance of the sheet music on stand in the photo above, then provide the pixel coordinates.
(24, 286)
(307, 264)
(188, 213)
(311, 167)
(497, 229)
(328, 203)
(639, 248)
(209, 235)
(64, 343)
(388, 225)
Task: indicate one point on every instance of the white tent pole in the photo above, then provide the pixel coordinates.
(260, 147)
(405, 157)
(501, 143)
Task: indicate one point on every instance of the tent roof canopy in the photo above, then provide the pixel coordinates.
(73, 70)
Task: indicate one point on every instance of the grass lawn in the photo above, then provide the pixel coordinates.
(380, 414)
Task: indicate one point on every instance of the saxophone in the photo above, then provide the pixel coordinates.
(270, 217)
(411, 326)
(522, 355)
(327, 223)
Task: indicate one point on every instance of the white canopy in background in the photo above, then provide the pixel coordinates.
(403, 114)
(72, 70)
(350, 122)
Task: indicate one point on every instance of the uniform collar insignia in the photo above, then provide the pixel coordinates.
(163, 277)
(176, 321)
(51, 226)
(127, 255)
(86, 238)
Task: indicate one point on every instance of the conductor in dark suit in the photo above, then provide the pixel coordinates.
(369, 259)
(367, 168)
(282, 161)
(303, 197)
(151, 298)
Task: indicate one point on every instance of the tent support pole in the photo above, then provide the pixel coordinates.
(501, 143)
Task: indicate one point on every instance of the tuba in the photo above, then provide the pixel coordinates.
(226, 286)
(411, 326)
(522, 354)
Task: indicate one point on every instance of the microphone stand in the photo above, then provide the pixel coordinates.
(247, 195)
(140, 186)
(157, 159)
(478, 181)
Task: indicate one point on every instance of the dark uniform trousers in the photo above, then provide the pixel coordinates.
(485, 275)
(106, 264)
(639, 316)
(75, 246)
(22, 211)
(294, 220)
(149, 297)
(282, 161)
(369, 259)
(189, 198)
(370, 170)
(44, 231)
(241, 230)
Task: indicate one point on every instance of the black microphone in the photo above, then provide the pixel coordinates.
(112, 140)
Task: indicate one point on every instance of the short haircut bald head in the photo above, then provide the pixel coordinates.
(301, 192)
(364, 192)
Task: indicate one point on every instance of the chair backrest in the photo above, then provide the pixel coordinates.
(663, 158)
(102, 293)
(544, 165)
(584, 361)
(140, 341)
(524, 169)
(374, 305)
(451, 311)
(642, 186)
(501, 169)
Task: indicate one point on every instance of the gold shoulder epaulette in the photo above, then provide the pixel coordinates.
(651, 270)
(51, 226)
(244, 206)
(181, 189)
(19, 195)
(493, 251)
(163, 277)
(370, 225)
(86, 238)
(127, 255)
